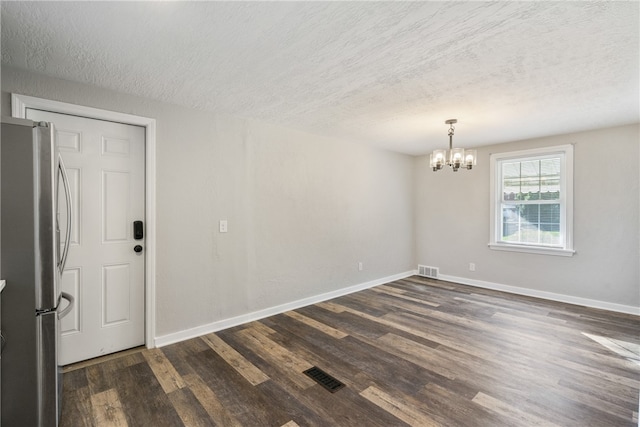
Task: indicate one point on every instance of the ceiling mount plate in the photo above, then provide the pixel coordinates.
(451, 121)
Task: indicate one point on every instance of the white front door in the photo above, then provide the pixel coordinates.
(104, 273)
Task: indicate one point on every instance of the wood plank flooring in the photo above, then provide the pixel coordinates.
(413, 352)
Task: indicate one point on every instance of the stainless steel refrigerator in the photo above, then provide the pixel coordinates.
(32, 260)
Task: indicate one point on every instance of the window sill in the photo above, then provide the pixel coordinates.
(531, 249)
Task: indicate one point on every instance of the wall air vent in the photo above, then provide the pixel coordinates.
(426, 271)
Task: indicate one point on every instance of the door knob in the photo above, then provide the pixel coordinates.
(137, 248)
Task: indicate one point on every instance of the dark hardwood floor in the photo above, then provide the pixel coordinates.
(413, 352)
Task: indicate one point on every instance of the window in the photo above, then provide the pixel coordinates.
(532, 201)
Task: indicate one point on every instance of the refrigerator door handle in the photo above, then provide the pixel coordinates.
(67, 193)
(69, 307)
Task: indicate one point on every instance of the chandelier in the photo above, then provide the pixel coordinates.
(456, 157)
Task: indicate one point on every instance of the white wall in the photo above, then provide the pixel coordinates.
(303, 210)
(452, 221)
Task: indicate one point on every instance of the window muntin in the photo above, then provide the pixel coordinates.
(530, 200)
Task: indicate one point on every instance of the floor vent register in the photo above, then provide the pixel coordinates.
(324, 379)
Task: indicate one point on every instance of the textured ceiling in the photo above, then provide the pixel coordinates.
(385, 73)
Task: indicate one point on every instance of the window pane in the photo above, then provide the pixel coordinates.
(510, 180)
(530, 180)
(530, 188)
(550, 179)
(530, 168)
(529, 213)
(550, 167)
(550, 234)
(510, 189)
(511, 170)
(515, 227)
(514, 233)
(510, 223)
(550, 213)
(531, 224)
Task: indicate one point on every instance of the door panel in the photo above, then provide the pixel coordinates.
(70, 324)
(68, 140)
(105, 164)
(115, 193)
(116, 289)
(73, 174)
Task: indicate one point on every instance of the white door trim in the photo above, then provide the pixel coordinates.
(19, 105)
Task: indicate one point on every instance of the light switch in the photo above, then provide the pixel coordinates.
(223, 225)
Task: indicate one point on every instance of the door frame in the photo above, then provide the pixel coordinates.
(19, 105)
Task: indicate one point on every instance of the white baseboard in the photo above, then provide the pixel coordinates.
(271, 311)
(628, 309)
(261, 314)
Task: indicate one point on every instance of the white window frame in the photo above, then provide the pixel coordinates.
(566, 200)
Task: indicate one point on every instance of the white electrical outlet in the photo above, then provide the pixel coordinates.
(223, 225)
(472, 266)
(360, 266)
